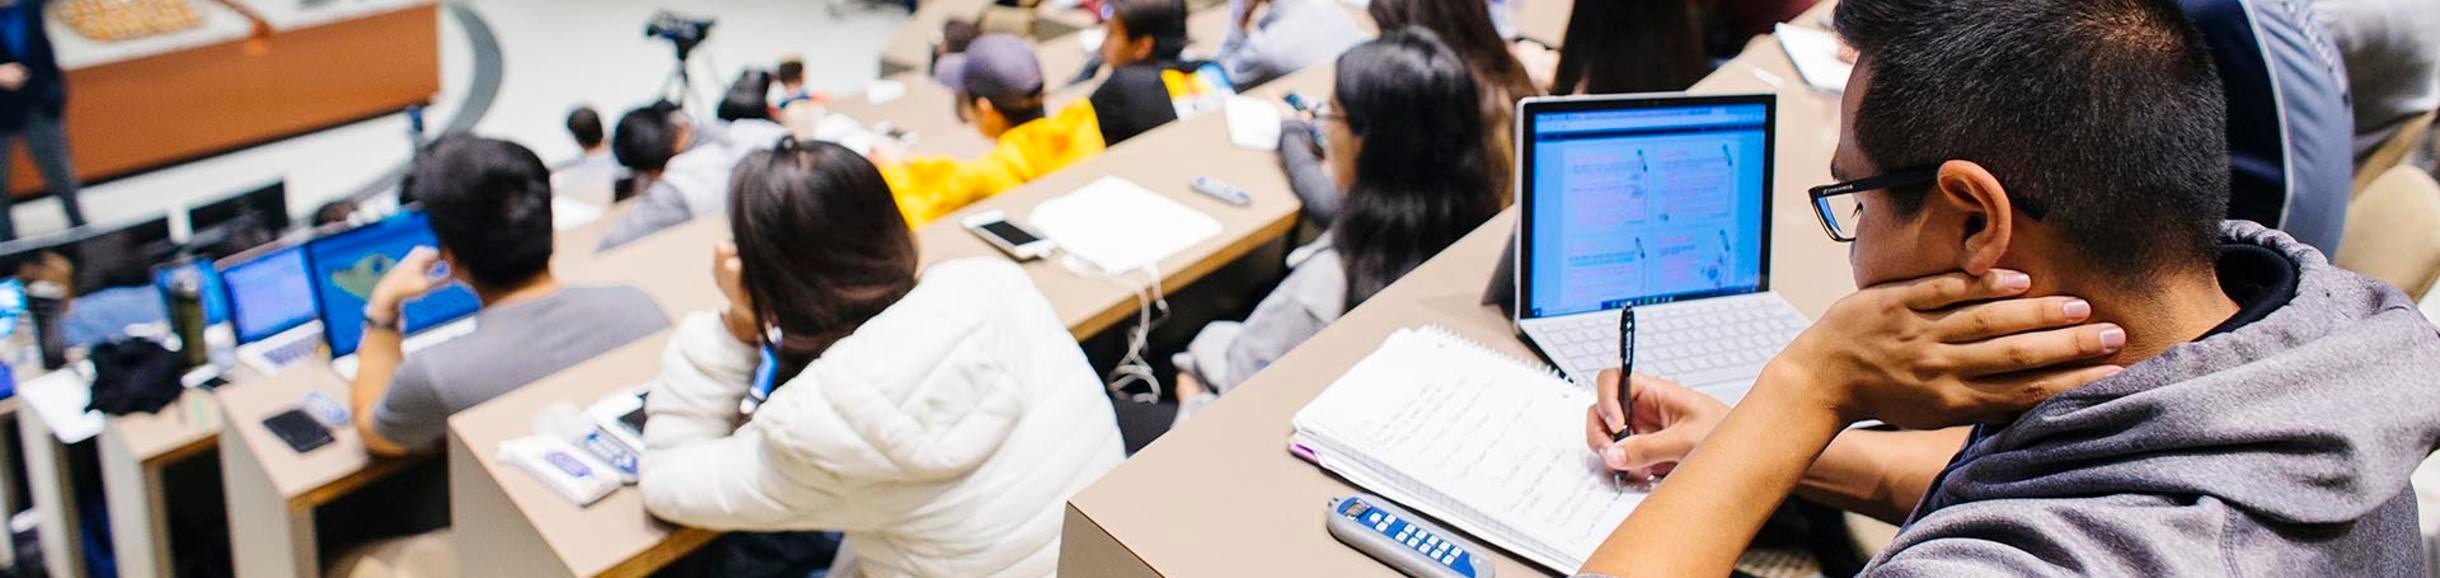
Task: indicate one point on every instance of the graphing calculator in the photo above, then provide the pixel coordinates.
(1404, 541)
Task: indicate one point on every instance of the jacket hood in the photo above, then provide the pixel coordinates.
(927, 390)
(2314, 414)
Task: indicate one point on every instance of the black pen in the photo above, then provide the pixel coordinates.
(1626, 374)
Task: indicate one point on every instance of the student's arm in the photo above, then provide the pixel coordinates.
(661, 207)
(1301, 159)
(380, 351)
(1225, 355)
(1930, 353)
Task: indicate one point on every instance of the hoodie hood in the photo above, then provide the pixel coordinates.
(2313, 414)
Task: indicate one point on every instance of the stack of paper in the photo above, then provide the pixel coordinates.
(1488, 444)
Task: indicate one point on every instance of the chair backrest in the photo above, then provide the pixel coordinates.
(2392, 153)
(2393, 231)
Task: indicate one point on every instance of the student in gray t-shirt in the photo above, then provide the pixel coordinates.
(490, 207)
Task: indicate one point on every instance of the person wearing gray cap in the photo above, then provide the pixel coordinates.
(999, 90)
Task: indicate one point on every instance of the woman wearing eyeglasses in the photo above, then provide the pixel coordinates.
(1402, 133)
(938, 420)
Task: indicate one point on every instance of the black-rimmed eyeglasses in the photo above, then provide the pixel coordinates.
(1841, 211)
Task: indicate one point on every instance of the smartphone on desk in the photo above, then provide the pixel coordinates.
(1016, 240)
(299, 430)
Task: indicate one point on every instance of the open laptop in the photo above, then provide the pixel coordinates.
(1661, 202)
(345, 266)
(270, 307)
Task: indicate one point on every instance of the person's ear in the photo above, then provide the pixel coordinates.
(1141, 48)
(985, 112)
(1986, 217)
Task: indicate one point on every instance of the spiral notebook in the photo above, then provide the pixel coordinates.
(1489, 444)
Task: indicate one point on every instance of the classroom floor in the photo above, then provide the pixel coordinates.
(552, 55)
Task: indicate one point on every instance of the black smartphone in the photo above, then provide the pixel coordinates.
(300, 430)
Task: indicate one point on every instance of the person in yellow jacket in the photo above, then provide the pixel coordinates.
(999, 86)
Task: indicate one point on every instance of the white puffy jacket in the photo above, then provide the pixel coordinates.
(943, 438)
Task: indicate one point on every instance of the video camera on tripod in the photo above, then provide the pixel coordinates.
(683, 33)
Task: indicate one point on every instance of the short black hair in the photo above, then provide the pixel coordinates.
(748, 97)
(2106, 113)
(647, 137)
(791, 70)
(490, 205)
(1164, 21)
(586, 126)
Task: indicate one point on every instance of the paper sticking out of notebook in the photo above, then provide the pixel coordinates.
(1116, 226)
(1815, 54)
(1488, 444)
(1253, 123)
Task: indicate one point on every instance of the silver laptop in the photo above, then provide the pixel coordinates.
(1660, 202)
(271, 307)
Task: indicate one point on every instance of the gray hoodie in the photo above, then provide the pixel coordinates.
(2281, 447)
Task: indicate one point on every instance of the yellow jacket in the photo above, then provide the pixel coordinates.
(930, 188)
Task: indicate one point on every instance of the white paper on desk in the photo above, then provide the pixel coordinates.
(60, 399)
(1090, 39)
(569, 213)
(1252, 123)
(1118, 226)
(1815, 53)
(884, 91)
(846, 132)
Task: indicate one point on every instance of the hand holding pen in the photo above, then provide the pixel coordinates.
(1642, 426)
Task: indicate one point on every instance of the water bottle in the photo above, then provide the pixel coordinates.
(48, 302)
(186, 317)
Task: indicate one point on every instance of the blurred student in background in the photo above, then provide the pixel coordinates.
(1618, 47)
(1268, 39)
(940, 420)
(1403, 134)
(999, 90)
(1466, 28)
(1147, 39)
(683, 168)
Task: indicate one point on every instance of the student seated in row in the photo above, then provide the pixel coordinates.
(2152, 391)
(1500, 82)
(490, 206)
(1627, 47)
(1268, 39)
(999, 90)
(1144, 47)
(939, 418)
(1403, 133)
(683, 169)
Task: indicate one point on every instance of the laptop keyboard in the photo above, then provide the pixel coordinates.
(1696, 343)
(291, 352)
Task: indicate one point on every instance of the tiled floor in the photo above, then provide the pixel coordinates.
(555, 54)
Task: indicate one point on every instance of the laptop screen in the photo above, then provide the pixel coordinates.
(1643, 200)
(347, 265)
(268, 294)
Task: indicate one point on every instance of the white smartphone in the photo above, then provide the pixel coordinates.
(622, 416)
(1016, 240)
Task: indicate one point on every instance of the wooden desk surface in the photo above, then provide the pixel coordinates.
(1231, 462)
(911, 47)
(184, 427)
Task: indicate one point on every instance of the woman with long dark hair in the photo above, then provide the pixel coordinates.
(940, 421)
(1464, 28)
(1627, 46)
(1402, 135)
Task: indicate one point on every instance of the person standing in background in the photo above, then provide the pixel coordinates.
(33, 94)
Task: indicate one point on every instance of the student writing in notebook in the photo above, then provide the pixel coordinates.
(2215, 398)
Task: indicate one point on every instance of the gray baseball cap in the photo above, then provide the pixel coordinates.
(993, 66)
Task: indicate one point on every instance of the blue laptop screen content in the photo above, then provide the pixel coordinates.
(215, 309)
(347, 265)
(268, 294)
(1646, 206)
